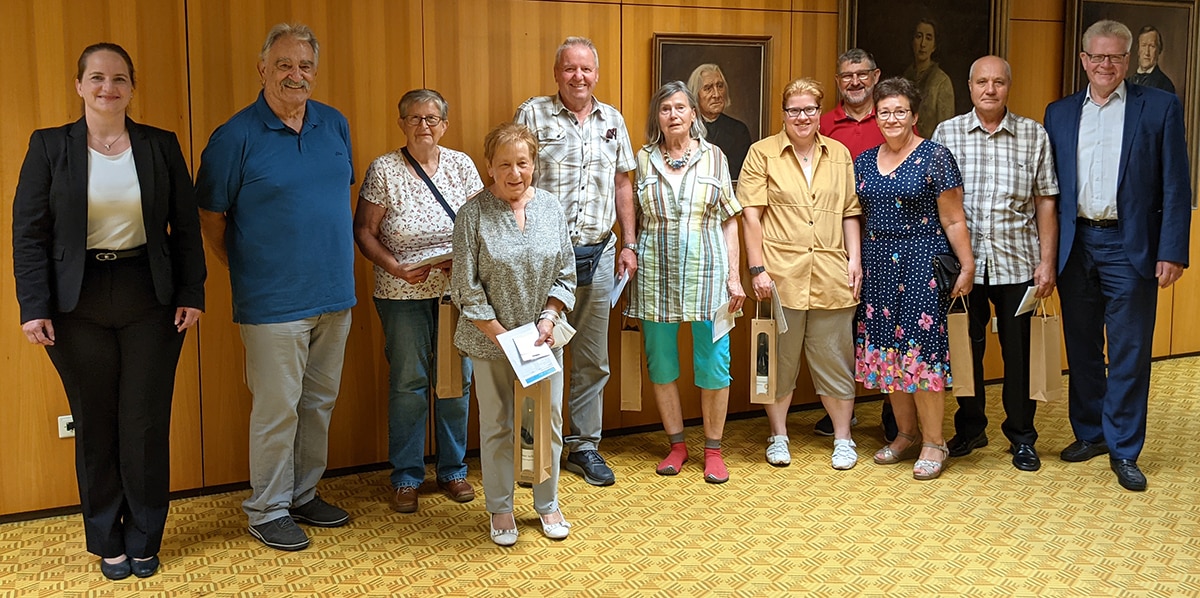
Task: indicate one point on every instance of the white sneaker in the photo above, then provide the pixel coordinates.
(777, 451)
(844, 455)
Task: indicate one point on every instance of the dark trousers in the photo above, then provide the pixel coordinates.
(116, 354)
(971, 420)
(1104, 297)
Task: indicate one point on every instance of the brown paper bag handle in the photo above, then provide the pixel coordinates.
(1042, 307)
(954, 301)
(758, 303)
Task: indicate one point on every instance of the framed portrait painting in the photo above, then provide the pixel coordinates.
(730, 77)
(932, 42)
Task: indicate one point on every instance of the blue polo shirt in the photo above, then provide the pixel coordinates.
(286, 199)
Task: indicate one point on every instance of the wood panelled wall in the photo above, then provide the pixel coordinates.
(196, 66)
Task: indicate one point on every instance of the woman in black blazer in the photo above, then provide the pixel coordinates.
(110, 274)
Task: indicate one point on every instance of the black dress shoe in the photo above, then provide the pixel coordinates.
(1128, 474)
(1025, 457)
(961, 446)
(144, 568)
(116, 571)
(1082, 450)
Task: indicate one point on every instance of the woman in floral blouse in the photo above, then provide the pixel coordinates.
(400, 225)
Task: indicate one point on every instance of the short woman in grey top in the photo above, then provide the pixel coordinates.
(513, 264)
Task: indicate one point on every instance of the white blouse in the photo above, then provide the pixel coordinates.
(114, 202)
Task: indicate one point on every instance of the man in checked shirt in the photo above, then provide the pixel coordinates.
(584, 157)
(1009, 194)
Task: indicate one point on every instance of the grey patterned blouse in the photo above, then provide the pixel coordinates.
(504, 273)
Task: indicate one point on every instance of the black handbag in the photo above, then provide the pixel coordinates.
(945, 271)
(587, 261)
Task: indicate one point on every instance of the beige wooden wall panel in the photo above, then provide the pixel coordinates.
(41, 42)
(370, 54)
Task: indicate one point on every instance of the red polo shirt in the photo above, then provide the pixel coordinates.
(857, 135)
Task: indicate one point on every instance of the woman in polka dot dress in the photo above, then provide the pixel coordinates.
(911, 194)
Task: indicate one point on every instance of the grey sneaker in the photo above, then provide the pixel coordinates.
(319, 513)
(280, 534)
(591, 466)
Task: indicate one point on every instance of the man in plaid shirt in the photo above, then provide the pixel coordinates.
(1009, 194)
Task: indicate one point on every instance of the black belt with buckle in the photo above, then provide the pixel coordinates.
(1096, 223)
(109, 255)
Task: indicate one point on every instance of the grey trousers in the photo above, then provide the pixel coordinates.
(294, 370)
(494, 380)
(589, 357)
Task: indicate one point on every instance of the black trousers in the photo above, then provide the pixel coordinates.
(971, 420)
(116, 354)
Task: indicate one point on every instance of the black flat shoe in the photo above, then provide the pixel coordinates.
(961, 447)
(1082, 450)
(116, 571)
(1025, 457)
(144, 568)
(1128, 474)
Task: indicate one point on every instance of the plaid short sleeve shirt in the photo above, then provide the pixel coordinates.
(578, 162)
(1002, 172)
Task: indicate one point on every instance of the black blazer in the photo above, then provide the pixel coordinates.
(50, 219)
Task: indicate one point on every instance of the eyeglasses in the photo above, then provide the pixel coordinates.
(431, 120)
(850, 77)
(888, 114)
(1111, 58)
(809, 111)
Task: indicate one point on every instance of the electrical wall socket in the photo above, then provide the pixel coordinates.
(66, 426)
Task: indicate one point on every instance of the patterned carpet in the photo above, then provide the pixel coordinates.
(983, 529)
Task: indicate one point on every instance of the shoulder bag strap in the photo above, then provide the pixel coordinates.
(425, 177)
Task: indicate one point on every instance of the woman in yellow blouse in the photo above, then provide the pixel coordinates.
(803, 241)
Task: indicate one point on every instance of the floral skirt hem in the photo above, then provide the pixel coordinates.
(898, 369)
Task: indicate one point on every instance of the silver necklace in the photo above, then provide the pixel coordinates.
(676, 164)
(108, 146)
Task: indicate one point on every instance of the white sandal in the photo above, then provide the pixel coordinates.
(555, 531)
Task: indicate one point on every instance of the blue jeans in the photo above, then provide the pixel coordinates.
(410, 343)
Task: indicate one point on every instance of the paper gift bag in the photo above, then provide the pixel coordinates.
(763, 337)
(962, 365)
(631, 366)
(448, 377)
(539, 393)
(1045, 362)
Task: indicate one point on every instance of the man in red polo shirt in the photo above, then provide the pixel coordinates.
(852, 122)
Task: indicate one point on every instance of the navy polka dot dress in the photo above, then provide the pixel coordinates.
(900, 342)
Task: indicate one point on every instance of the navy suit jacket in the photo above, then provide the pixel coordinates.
(1154, 197)
(50, 219)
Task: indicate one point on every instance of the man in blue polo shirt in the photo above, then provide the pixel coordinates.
(274, 188)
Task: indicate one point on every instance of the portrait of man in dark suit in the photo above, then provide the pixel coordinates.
(1149, 48)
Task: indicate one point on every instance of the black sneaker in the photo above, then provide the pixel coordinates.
(319, 513)
(280, 534)
(592, 467)
(825, 426)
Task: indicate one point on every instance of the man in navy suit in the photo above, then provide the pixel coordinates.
(1124, 216)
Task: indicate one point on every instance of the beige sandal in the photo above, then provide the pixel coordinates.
(928, 469)
(887, 456)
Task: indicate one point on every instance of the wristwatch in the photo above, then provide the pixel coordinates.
(630, 246)
(756, 270)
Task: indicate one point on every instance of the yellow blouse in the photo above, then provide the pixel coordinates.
(802, 242)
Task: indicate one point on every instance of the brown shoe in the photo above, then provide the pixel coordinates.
(458, 490)
(404, 500)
